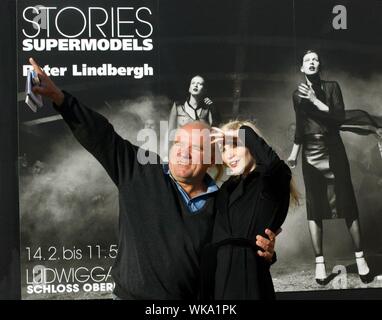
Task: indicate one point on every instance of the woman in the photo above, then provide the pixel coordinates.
(319, 109)
(196, 107)
(255, 198)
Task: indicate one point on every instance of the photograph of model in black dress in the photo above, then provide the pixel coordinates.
(329, 192)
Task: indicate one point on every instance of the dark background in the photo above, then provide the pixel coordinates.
(250, 53)
(9, 217)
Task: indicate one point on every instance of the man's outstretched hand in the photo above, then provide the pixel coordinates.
(47, 88)
(268, 245)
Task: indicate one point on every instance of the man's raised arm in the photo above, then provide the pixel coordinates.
(92, 130)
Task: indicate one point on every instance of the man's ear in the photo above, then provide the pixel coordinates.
(301, 69)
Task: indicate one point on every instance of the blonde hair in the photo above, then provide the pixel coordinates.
(235, 125)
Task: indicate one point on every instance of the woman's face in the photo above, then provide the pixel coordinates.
(237, 157)
(310, 64)
(196, 86)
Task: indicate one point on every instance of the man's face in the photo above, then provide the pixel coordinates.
(189, 155)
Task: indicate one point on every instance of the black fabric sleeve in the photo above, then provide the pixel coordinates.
(276, 174)
(215, 115)
(338, 107)
(94, 132)
(274, 258)
(299, 129)
(259, 149)
(336, 114)
(265, 156)
(268, 162)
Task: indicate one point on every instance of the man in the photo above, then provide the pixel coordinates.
(166, 214)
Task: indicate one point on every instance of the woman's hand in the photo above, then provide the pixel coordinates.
(307, 92)
(268, 245)
(221, 137)
(292, 162)
(207, 101)
(217, 135)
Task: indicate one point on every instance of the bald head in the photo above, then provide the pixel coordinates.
(190, 152)
(195, 133)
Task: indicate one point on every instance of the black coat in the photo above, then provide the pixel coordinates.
(310, 120)
(246, 206)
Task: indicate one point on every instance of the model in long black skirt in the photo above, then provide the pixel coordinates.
(320, 111)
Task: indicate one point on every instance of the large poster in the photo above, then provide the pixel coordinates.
(346, 37)
(130, 62)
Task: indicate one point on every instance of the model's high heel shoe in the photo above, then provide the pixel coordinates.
(320, 270)
(363, 269)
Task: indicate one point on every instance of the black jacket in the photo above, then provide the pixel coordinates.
(246, 206)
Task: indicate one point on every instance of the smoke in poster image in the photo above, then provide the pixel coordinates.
(249, 69)
(69, 205)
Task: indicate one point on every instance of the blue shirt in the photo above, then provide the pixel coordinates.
(198, 202)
